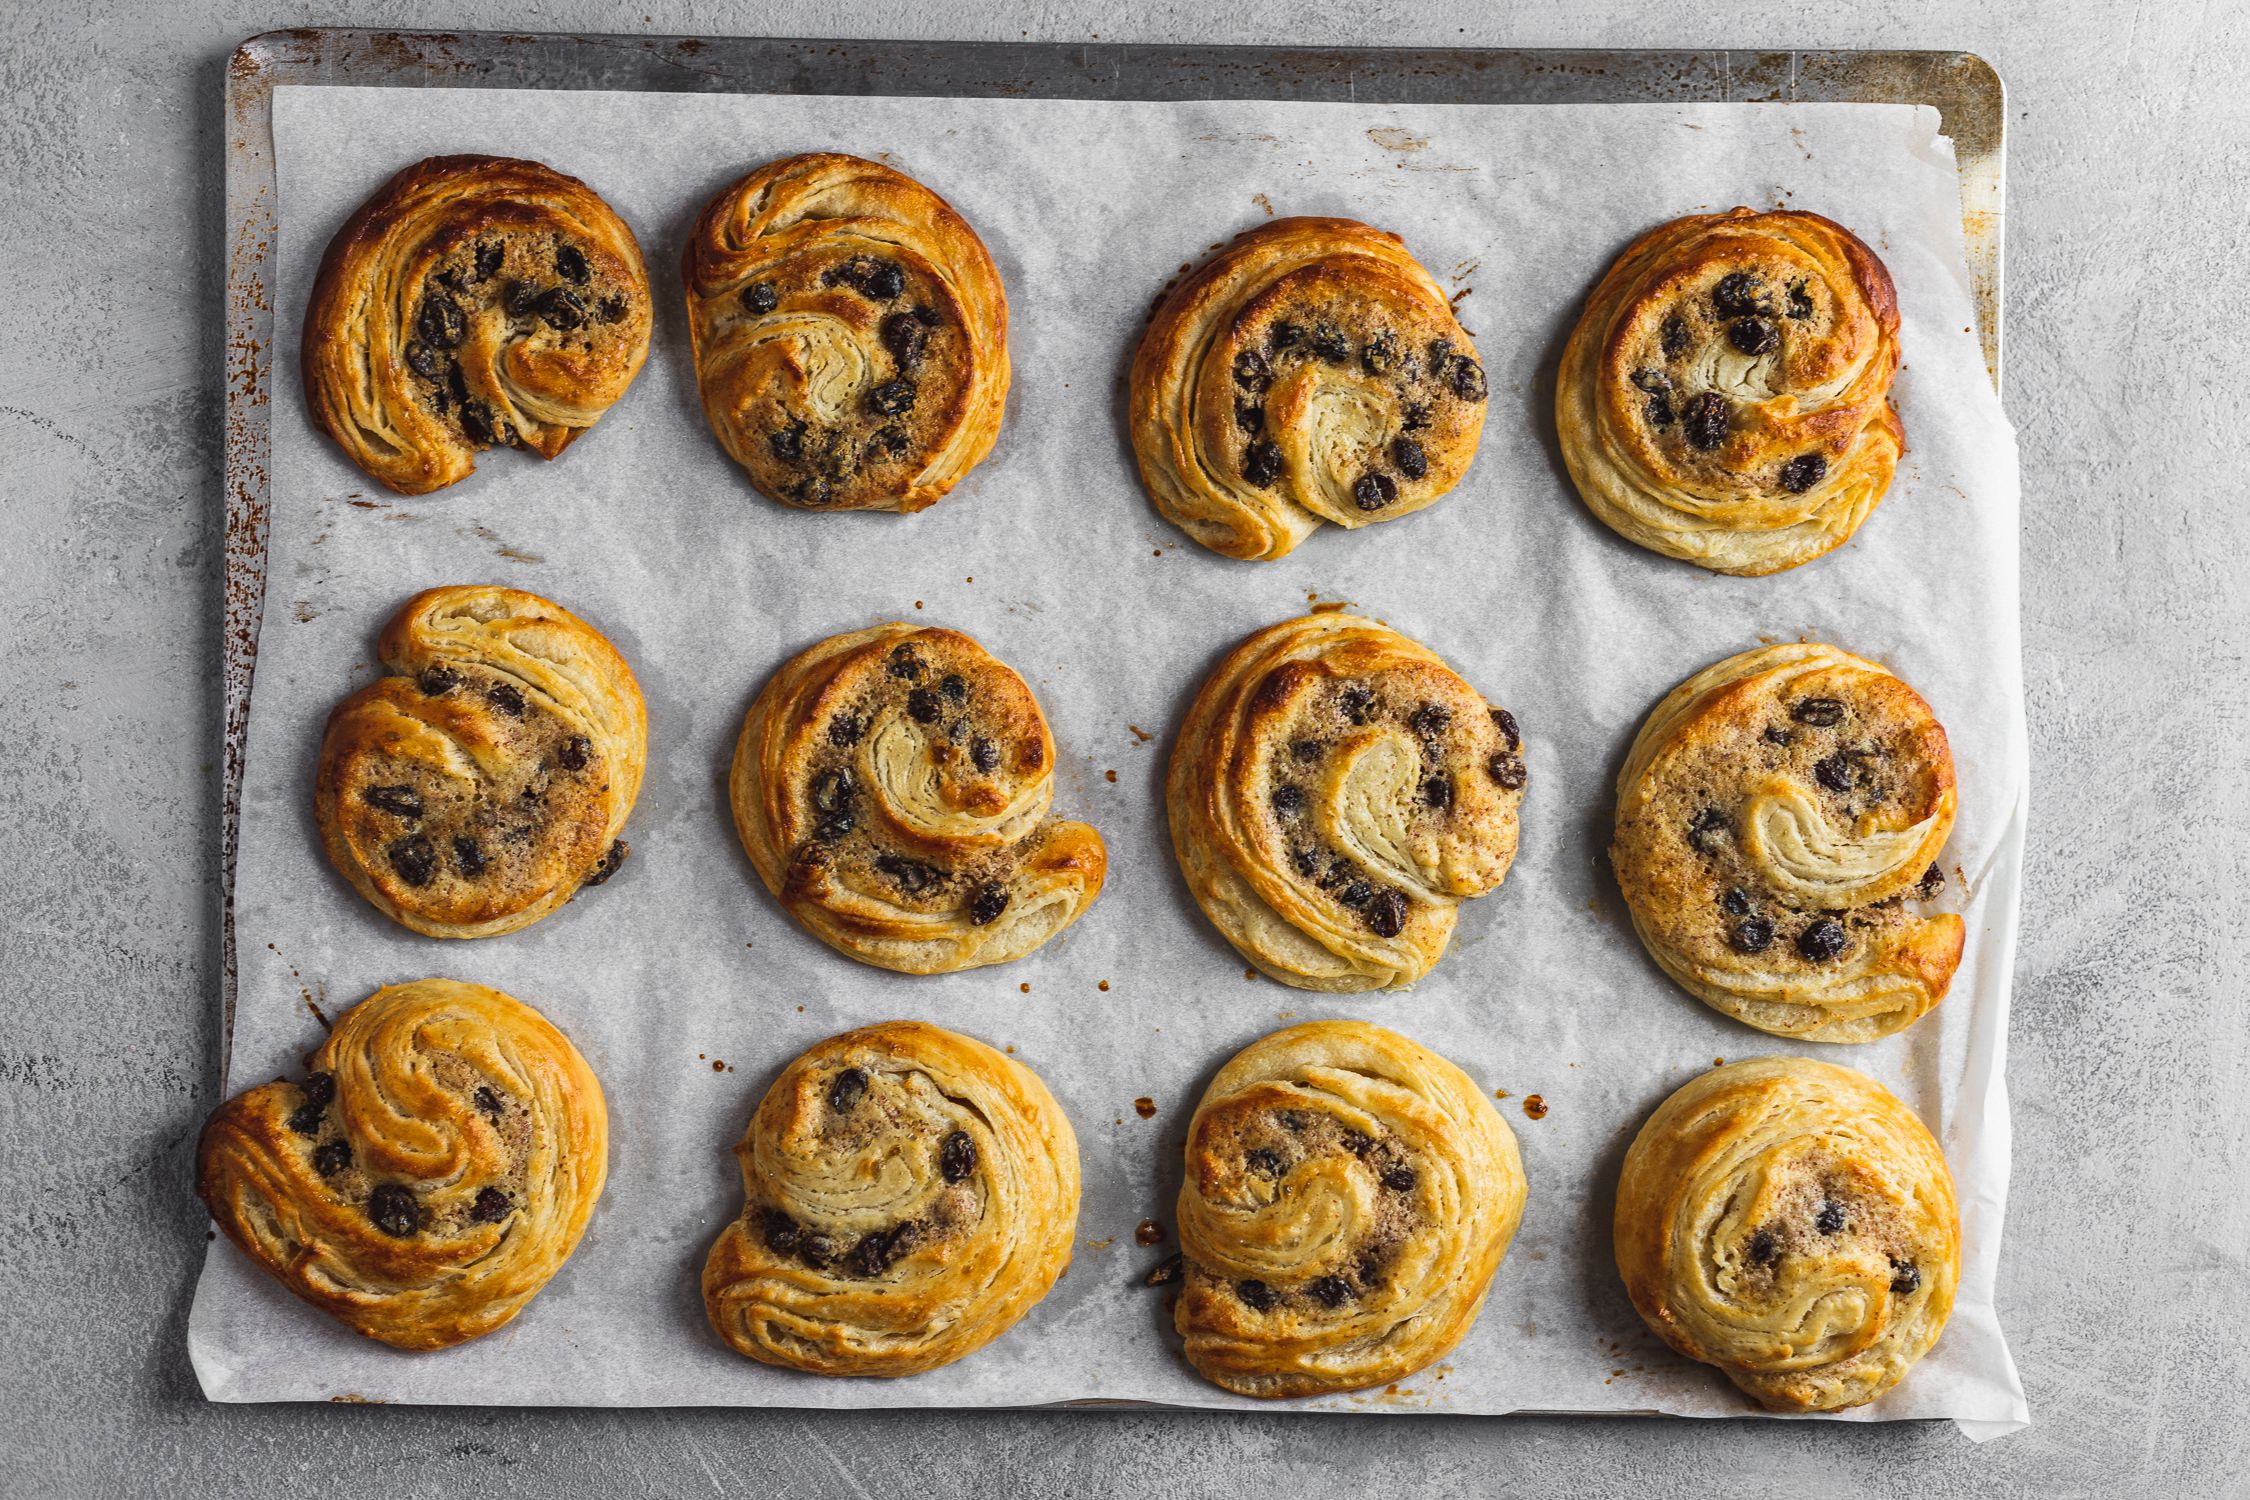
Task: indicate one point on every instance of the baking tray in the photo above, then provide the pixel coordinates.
(1964, 89)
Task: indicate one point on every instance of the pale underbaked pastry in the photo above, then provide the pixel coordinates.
(1311, 371)
(1349, 1196)
(430, 1174)
(1778, 821)
(1725, 397)
(484, 779)
(908, 1194)
(1336, 792)
(851, 334)
(1792, 1223)
(474, 301)
(891, 787)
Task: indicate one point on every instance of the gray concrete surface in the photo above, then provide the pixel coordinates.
(2124, 1284)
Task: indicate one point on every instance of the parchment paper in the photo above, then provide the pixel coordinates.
(687, 988)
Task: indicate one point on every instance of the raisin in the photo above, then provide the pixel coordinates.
(1821, 713)
(479, 423)
(984, 755)
(415, 859)
(845, 729)
(1674, 337)
(1800, 301)
(1430, 720)
(1261, 462)
(878, 1250)
(891, 397)
(570, 264)
(833, 790)
(563, 308)
(1753, 936)
(990, 901)
(307, 1119)
(1467, 379)
(506, 698)
(1765, 1248)
(1440, 354)
(835, 827)
(1510, 734)
(394, 1211)
(955, 687)
(907, 337)
(760, 298)
(1386, 913)
(905, 663)
(781, 1234)
(1436, 792)
(1803, 472)
(912, 875)
(489, 256)
(1823, 940)
(424, 361)
(1356, 703)
(1740, 294)
(1380, 353)
(1705, 423)
(1265, 1161)
(1399, 1177)
(442, 323)
(575, 752)
(491, 1206)
(1252, 373)
(788, 443)
(1329, 343)
(1358, 1144)
(1305, 751)
(1306, 862)
(521, 297)
(923, 706)
(1414, 417)
(1167, 1272)
(957, 1157)
(403, 801)
(609, 310)
(332, 1158)
(1754, 336)
(1373, 491)
(1249, 418)
(1831, 1219)
(1776, 735)
(1704, 831)
(846, 1089)
(814, 489)
(1288, 799)
(816, 1250)
(1255, 1295)
(487, 1100)
(1736, 902)
(881, 280)
(1507, 768)
(1933, 881)
(1284, 335)
(1906, 1278)
(890, 441)
(611, 863)
(1357, 893)
(1658, 410)
(1834, 772)
(468, 857)
(1331, 1291)
(437, 680)
(1411, 460)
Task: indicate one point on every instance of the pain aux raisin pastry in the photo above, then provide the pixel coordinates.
(431, 1171)
(1725, 397)
(1792, 1223)
(485, 778)
(891, 787)
(1778, 821)
(851, 334)
(908, 1195)
(475, 302)
(1336, 792)
(1311, 371)
(1348, 1197)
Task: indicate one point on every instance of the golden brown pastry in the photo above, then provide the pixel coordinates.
(908, 1194)
(475, 301)
(1792, 1223)
(431, 1173)
(1336, 792)
(1348, 1197)
(1725, 398)
(485, 779)
(1778, 819)
(891, 786)
(1311, 371)
(851, 334)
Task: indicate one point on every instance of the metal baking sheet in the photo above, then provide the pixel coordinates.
(1114, 73)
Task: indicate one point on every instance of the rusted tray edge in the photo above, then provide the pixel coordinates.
(1966, 91)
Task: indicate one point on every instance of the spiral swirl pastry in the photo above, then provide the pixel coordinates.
(484, 779)
(851, 334)
(1336, 792)
(1725, 397)
(908, 1194)
(430, 1173)
(1792, 1223)
(891, 787)
(1348, 1197)
(474, 302)
(1778, 819)
(1311, 371)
